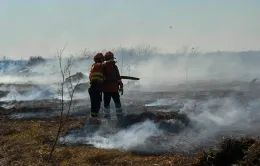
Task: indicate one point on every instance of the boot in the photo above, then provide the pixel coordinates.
(107, 116)
(119, 116)
(94, 121)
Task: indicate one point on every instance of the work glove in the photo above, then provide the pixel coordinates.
(121, 87)
(121, 90)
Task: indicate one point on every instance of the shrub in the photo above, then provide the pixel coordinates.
(35, 60)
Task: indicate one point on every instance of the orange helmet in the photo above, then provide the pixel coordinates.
(99, 56)
(109, 55)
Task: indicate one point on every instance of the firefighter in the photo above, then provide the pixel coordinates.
(112, 86)
(95, 86)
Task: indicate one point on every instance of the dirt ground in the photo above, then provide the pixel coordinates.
(26, 142)
(29, 142)
(28, 129)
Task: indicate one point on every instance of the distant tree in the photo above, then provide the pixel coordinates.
(145, 50)
(83, 55)
(4, 58)
(35, 60)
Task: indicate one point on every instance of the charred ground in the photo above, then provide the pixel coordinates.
(28, 129)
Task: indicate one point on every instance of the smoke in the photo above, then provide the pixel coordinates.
(219, 117)
(212, 115)
(212, 119)
(31, 115)
(156, 71)
(33, 94)
(162, 102)
(163, 70)
(134, 138)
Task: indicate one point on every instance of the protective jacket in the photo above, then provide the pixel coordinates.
(112, 80)
(96, 77)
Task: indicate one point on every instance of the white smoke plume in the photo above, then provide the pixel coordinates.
(128, 139)
(212, 120)
(212, 116)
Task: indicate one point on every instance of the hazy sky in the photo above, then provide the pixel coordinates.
(40, 27)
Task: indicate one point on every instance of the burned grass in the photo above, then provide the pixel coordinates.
(240, 151)
(161, 118)
(28, 142)
(252, 155)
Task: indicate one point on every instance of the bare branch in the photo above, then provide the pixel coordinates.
(65, 71)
